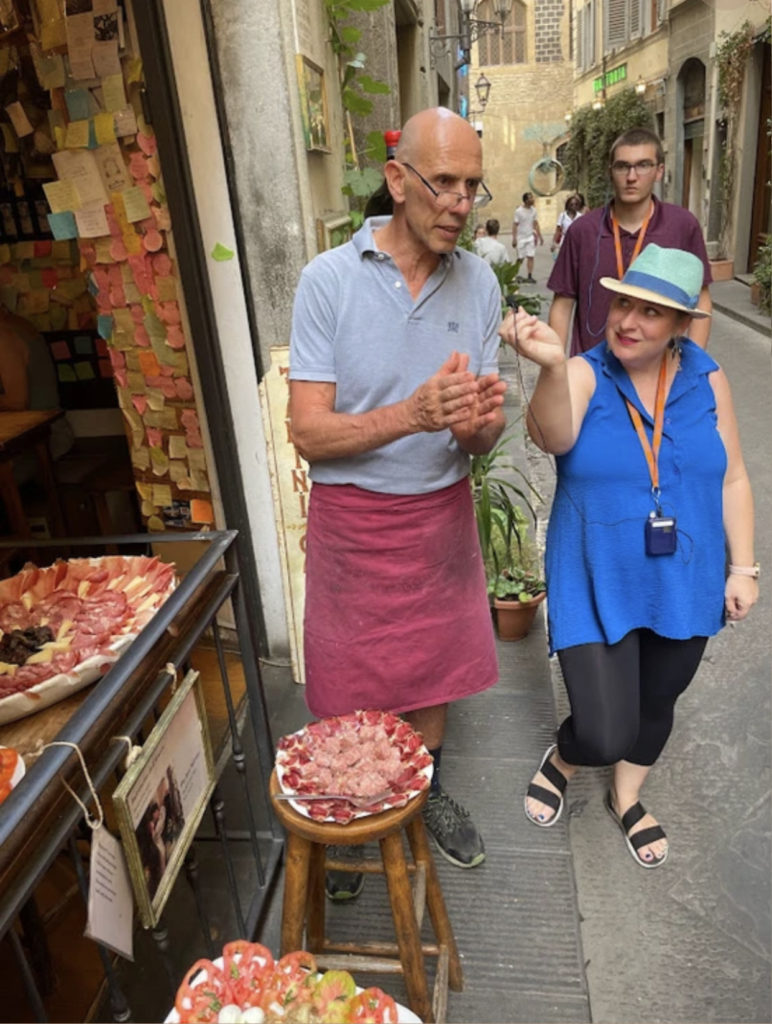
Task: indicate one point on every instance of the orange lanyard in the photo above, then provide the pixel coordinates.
(639, 242)
(651, 451)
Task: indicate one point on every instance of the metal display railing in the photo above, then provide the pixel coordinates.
(39, 818)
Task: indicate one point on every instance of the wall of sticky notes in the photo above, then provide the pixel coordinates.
(122, 327)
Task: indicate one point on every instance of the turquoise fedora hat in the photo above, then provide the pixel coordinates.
(668, 277)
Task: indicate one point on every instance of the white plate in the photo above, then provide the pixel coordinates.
(19, 770)
(302, 806)
(404, 1016)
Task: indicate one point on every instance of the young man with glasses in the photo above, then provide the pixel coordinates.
(393, 385)
(604, 242)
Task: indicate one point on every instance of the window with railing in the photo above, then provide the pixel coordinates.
(506, 45)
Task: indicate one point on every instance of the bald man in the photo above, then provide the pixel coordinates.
(393, 385)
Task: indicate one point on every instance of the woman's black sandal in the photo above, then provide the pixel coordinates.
(546, 796)
(644, 837)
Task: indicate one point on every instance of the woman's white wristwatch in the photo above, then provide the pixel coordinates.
(754, 571)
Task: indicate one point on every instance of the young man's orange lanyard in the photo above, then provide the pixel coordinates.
(651, 451)
(638, 244)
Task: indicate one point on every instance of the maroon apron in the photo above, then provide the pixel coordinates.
(397, 617)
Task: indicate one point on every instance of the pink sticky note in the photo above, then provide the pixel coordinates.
(117, 358)
(189, 418)
(168, 387)
(162, 265)
(154, 436)
(140, 403)
(168, 312)
(184, 388)
(141, 336)
(137, 313)
(117, 297)
(118, 249)
(120, 377)
(167, 371)
(138, 166)
(60, 350)
(49, 277)
(193, 439)
(152, 240)
(175, 338)
(105, 370)
(146, 143)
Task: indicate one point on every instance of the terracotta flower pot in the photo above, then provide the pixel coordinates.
(515, 618)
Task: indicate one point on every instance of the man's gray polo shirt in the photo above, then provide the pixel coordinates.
(356, 325)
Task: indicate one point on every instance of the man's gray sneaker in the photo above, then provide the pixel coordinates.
(453, 831)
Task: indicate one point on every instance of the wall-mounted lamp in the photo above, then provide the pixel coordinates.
(598, 104)
(471, 30)
(568, 117)
(483, 89)
(640, 86)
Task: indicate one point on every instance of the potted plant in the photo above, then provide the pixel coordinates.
(511, 564)
(516, 593)
(762, 276)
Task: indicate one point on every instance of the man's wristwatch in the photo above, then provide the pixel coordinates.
(754, 571)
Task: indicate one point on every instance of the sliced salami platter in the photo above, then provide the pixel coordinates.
(62, 626)
(363, 754)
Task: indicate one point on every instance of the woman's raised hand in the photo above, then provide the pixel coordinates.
(532, 338)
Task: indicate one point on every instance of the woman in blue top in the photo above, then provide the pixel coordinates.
(651, 489)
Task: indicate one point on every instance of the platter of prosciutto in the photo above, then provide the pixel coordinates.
(62, 626)
(362, 754)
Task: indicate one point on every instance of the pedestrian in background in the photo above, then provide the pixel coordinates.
(571, 210)
(489, 248)
(393, 385)
(605, 241)
(651, 491)
(526, 233)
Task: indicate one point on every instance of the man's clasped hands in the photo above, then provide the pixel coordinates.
(455, 398)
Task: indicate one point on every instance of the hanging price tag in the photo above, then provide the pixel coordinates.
(110, 897)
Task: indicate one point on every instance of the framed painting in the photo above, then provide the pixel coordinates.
(333, 230)
(313, 105)
(162, 797)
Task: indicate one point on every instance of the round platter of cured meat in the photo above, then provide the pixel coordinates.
(364, 755)
(63, 626)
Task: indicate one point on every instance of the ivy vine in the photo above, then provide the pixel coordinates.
(593, 132)
(356, 88)
(732, 53)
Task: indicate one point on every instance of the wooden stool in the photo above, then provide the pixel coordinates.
(304, 897)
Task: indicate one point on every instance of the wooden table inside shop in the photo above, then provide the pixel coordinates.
(21, 432)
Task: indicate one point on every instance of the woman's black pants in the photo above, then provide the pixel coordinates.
(623, 695)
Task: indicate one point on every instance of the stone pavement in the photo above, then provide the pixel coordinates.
(560, 924)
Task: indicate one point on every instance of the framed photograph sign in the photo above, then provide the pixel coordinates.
(162, 798)
(333, 230)
(313, 104)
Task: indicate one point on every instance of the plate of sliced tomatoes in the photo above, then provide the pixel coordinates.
(62, 626)
(12, 770)
(247, 986)
(362, 754)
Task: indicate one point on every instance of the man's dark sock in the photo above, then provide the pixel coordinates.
(437, 755)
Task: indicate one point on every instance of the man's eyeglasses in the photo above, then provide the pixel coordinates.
(447, 200)
(641, 167)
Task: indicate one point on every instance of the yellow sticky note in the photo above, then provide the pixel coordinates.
(155, 524)
(113, 94)
(77, 135)
(155, 399)
(60, 134)
(177, 470)
(178, 448)
(140, 458)
(144, 490)
(167, 289)
(168, 417)
(147, 507)
(135, 204)
(159, 462)
(197, 460)
(103, 254)
(62, 196)
(162, 495)
(104, 128)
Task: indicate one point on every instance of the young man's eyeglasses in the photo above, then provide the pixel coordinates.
(447, 200)
(641, 167)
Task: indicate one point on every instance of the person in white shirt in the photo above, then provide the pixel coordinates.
(489, 247)
(526, 233)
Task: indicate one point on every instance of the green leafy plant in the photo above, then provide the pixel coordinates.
(502, 524)
(593, 132)
(516, 584)
(356, 88)
(508, 275)
(762, 274)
